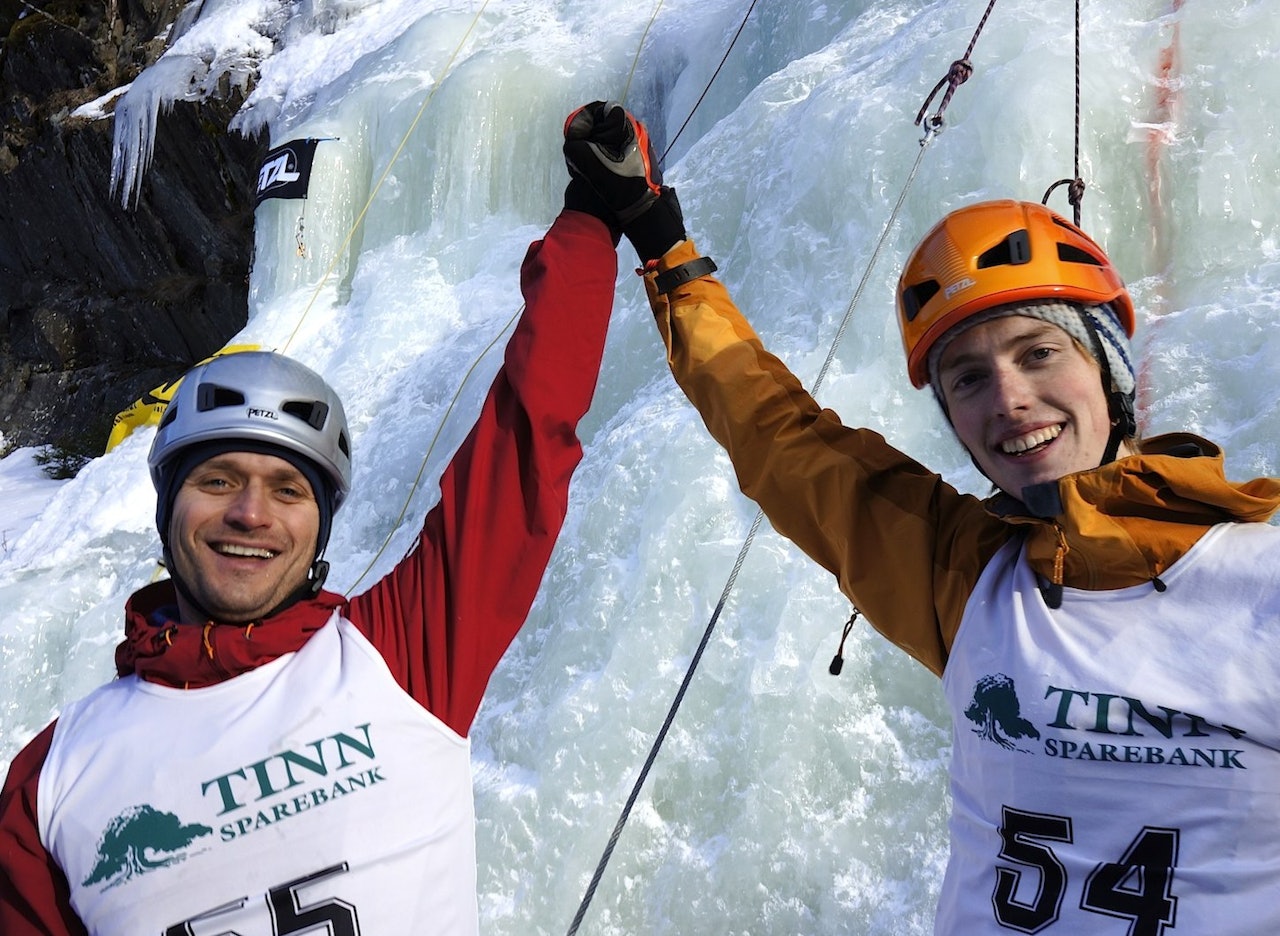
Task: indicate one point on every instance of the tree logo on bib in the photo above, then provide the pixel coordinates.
(998, 714)
(139, 840)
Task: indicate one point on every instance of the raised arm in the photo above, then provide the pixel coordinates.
(446, 614)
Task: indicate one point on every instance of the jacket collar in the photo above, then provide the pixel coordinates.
(159, 649)
(1048, 500)
(1127, 521)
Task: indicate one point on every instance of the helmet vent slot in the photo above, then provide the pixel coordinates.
(311, 412)
(915, 298)
(1069, 254)
(1014, 250)
(210, 396)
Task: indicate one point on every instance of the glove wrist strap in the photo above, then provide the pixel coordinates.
(678, 276)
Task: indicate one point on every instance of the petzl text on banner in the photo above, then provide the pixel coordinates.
(286, 170)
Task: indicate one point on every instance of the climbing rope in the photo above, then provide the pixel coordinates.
(422, 466)
(355, 226)
(662, 732)
(956, 75)
(426, 458)
(626, 88)
(1075, 185)
(698, 103)
(959, 72)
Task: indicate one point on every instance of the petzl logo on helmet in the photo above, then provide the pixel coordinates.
(958, 286)
(255, 412)
(286, 170)
(140, 840)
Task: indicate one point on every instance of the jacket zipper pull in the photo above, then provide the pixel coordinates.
(1053, 591)
(837, 661)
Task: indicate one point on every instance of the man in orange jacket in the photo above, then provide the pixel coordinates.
(1104, 624)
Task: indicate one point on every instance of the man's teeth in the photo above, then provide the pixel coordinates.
(1030, 440)
(252, 552)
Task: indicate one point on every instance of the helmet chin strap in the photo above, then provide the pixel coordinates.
(1123, 425)
(1124, 422)
(309, 588)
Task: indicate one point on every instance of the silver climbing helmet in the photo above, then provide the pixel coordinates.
(262, 399)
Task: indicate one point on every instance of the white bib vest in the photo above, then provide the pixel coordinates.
(1116, 762)
(310, 795)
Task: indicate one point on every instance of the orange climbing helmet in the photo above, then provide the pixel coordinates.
(992, 254)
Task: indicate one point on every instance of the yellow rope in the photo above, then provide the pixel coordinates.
(626, 89)
(355, 225)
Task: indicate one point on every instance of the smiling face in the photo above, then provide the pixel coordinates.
(1025, 400)
(242, 535)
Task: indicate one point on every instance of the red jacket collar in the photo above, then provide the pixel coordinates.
(188, 656)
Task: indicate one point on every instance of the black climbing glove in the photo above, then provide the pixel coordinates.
(613, 168)
(578, 196)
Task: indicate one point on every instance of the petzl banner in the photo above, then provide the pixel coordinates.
(286, 170)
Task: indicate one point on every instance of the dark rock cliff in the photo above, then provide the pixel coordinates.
(99, 303)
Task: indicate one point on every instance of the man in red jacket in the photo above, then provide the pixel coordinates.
(275, 758)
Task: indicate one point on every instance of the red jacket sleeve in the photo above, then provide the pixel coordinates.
(34, 896)
(446, 614)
